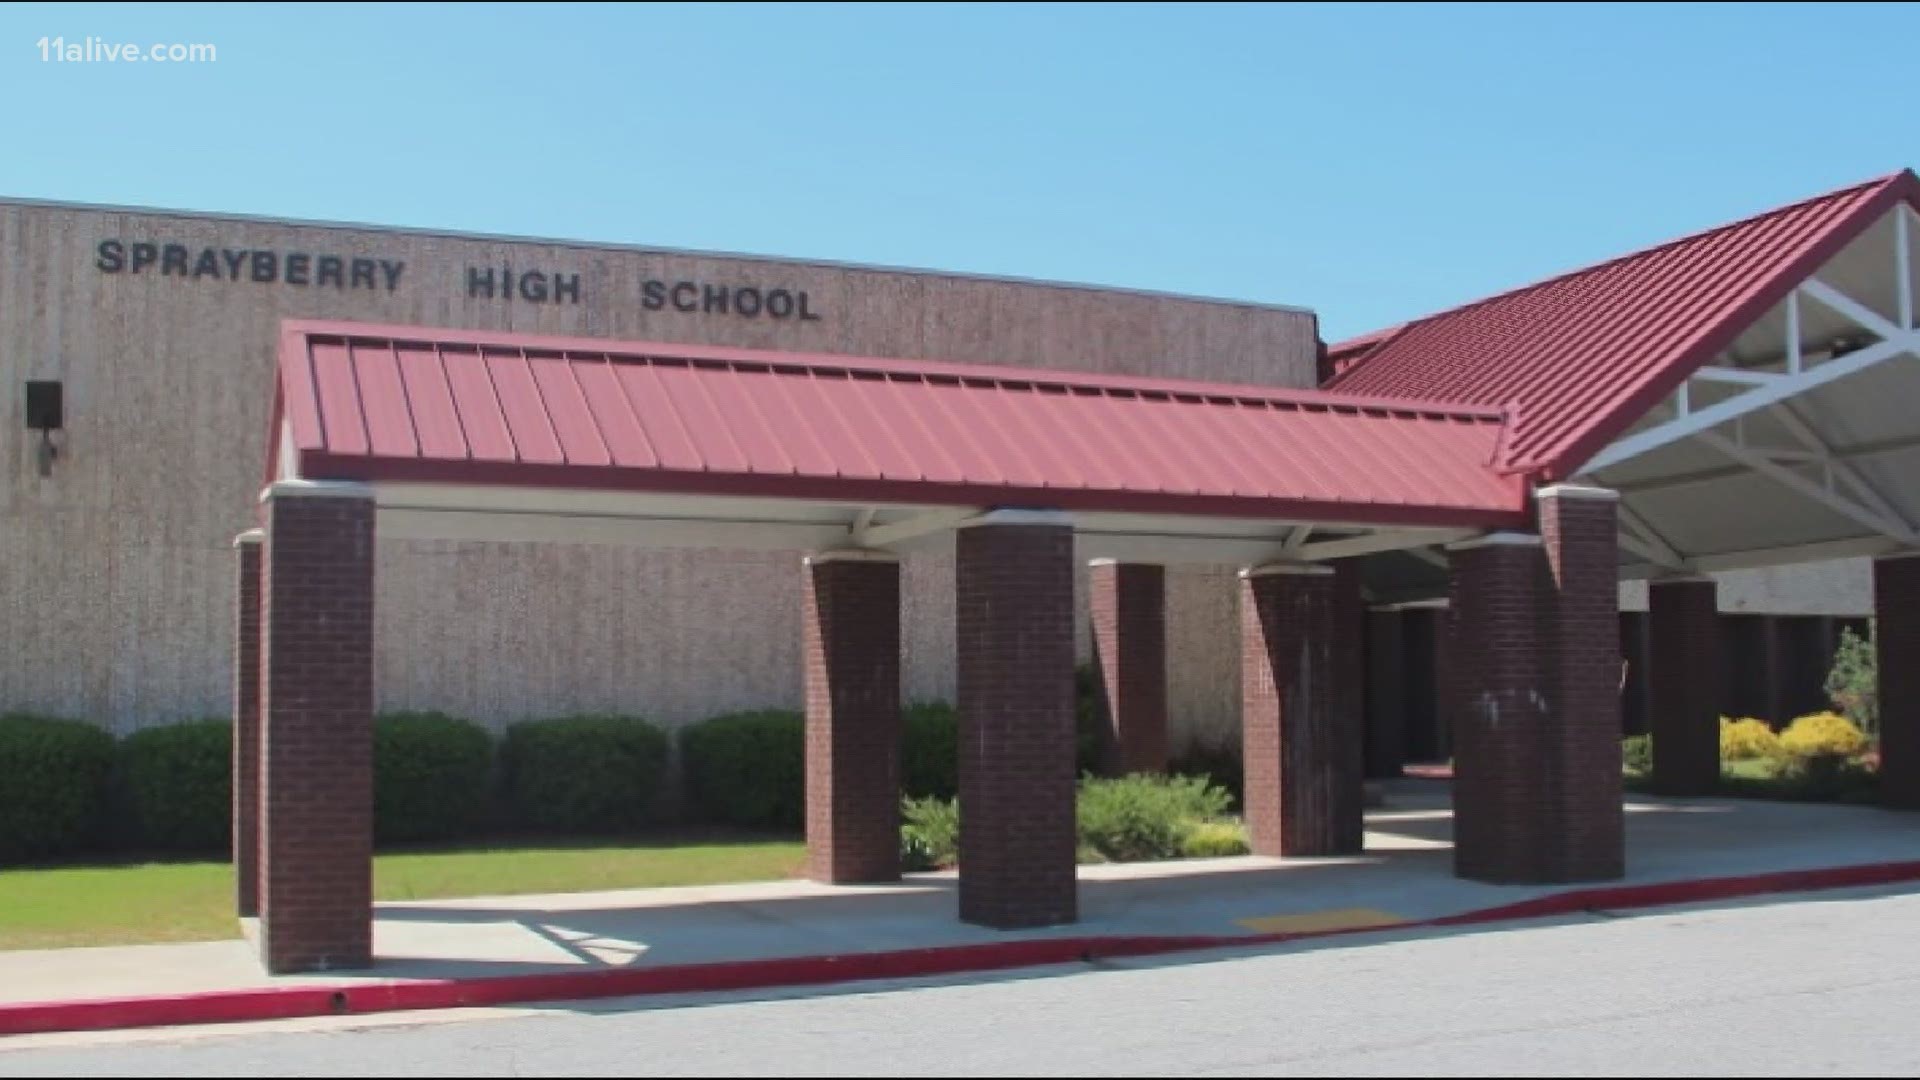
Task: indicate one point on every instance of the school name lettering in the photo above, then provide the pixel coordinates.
(692, 297)
(247, 264)
(503, 282)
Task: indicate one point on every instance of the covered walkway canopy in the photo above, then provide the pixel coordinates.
(476, 436)
(436, 433)
(1751, 392)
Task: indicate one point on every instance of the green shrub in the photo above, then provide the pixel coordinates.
(748, 769)
(1215, 840)
(584, 774)
(53, 785)
(177, 781)
(1823, 735)
(1637, 755)
(1144, 817)
(1747, 739)
(930, 751)
(929, 834)
(930, 748)
(432, 774)
(1853, 683)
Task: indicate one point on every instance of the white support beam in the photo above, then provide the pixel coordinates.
(1759, 397)
(1799, 428)
(862, 523)
(1296, 539)
(1796, 362)
(1789, 555)
(1825, 496)
(1903, 268)
(1373, 543)
(1652, 546)
(1867, 318)
(880, 536)
(1738, 376)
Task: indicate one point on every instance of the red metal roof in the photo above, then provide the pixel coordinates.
(411, 404)
(1580, 357)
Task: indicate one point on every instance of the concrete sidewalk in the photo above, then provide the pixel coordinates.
(1404, 877)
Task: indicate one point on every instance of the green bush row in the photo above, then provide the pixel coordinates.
(72, 787)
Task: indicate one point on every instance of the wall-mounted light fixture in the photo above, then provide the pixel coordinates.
(46, 414)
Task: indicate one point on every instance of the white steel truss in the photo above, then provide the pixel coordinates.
(1812, 468)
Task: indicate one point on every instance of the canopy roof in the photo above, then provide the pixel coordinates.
(409, 405)
(1582, 357)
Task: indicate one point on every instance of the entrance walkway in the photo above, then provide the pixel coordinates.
(1405, 876)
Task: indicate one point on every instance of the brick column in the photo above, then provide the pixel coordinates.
(316, 780)
(1534, 655)
(1386, 709)
(851, 635)
(1129, 618)
(1304, 793)
(246, 723)
(1683, 620)
(1349, 616)
(1014, 639)
(1896, 607)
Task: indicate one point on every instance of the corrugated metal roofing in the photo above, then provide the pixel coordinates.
(405, 403)
(1579, 358)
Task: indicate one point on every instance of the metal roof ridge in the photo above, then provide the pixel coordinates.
(614, 348)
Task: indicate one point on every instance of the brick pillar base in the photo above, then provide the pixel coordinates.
(1014, 640)
(1303, 789)
(1129, 618)
(852, 649)
(1533, 682)
(1684, 683)
(246, 724)
(316, 781)
(1896, 605)
(1386, 697)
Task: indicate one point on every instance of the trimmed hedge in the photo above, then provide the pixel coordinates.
(53, 784)
(432, 776)
(584, 774)
(177, 781)
(748, 769)
(930, 751)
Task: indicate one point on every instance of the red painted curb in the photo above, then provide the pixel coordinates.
(291, 1002)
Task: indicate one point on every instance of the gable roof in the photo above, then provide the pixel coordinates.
(1580, 357)
(386, 403)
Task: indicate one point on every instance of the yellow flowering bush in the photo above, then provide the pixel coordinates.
(1747, 738)
(1823, 734)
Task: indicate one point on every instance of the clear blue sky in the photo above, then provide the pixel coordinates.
(1373, 163)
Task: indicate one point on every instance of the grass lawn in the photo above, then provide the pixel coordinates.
(132, 903)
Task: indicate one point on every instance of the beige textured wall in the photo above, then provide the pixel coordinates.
(1841, 587)
(115, 572)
